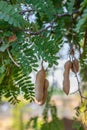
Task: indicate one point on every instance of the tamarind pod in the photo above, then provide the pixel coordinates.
(75, 66)
(66, 81)
(68, 65)
(39, 85)
(66, 85)
(45, 93)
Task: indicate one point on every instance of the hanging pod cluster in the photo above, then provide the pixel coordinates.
(41, 87)
(74, 67)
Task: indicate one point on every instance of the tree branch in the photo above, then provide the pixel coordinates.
(12, 58)
(26, 11)
(40, 31)
(79, 89)
(67, 14)
(51, 24)
(57, 15)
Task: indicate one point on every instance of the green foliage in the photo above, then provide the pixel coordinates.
(55, 123)
(83, 5)
(77, 126)
(13, 83)
(81, 114)
(33, 122)
(82, 20)
(23, 82)
(82, 24)
(4, 47)
(45, 8)
(9, 13)
(70, 5)
(25, 54)
(44, 124)
(35, 41)
(42, 50)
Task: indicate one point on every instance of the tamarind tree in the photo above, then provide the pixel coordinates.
(32, 31)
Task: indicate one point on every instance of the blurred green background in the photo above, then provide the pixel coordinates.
(56, 114)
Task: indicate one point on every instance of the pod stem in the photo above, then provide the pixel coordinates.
(79, 89)
(42, 64)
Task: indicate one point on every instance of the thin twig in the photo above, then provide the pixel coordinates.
(79, 90)
(67, 14)
(12, 58)
(57, 15)
(51, 24)
(42, 64)
(26, 11)
(40, 31)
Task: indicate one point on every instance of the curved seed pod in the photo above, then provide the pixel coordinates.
(45, 93)
(75, 66)
(66, 81)
(68, 65)
(66, 84)
(39, 85)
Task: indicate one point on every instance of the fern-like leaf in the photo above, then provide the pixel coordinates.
(10, 14)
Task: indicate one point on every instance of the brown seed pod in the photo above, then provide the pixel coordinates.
(39, 84)
(44, 93)
(68, 65)
(75, 66)
(66, 81)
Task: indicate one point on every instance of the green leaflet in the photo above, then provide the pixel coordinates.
(10, 14)
(25, 55)
(4, 47)
(15, 84)
(46, 49)
(83, 5)
(70, 6)
(28, 49)
(25, 85)
(82, 24)
(44, 7)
